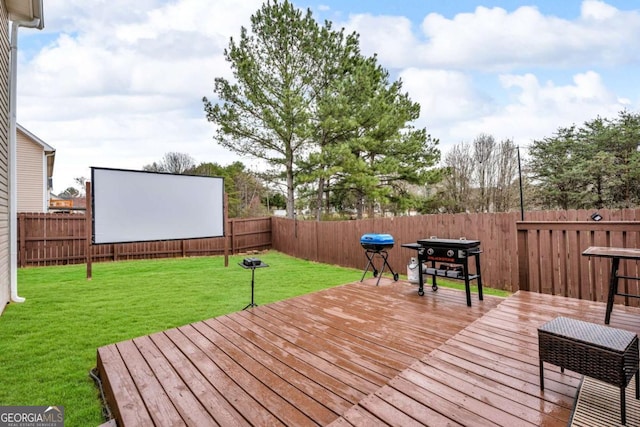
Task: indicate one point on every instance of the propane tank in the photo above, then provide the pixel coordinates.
(412, 271)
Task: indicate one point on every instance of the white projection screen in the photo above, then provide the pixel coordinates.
(136, 206)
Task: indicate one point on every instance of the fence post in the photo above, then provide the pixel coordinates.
(88, 225)
(225, 218)
(317, 237)
(523, 259)
(233, 242)
(23, 240)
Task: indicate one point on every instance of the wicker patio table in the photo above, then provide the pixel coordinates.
(597, 351)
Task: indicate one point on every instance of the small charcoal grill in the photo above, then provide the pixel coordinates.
(376, 245)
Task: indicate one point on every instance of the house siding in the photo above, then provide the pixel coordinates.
(31, 175)
(5, 290)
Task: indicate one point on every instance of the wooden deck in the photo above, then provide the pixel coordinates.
(353, 355)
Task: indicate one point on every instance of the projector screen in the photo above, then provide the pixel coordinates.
(136, 206)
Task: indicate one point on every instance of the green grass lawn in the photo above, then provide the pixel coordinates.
(48, 343)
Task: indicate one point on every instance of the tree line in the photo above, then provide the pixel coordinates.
(337, 131)
(595, 165)
(479, 176)
(335, 134)
(592, 166)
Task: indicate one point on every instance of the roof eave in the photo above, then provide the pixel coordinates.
(46, 147)
(26, 11)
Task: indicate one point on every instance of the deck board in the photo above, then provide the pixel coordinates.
(160, 406)
(224, 414)
(189, 408)
(357, 354)
(226, 388)
(487, 374)
(118, 382)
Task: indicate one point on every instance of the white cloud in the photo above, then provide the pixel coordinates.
(494, 39)
(120, 85)
(447, 62)
(388, 36)
(445, 96)
(454, 109)
(598, 10)
(537, 110)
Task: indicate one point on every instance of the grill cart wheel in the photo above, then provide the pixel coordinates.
(375, 273)
(395, 277)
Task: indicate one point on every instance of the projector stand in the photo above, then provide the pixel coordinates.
(253, 272)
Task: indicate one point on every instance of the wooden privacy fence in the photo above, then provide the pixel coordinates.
(550, 246)
(552, 260)
(541, 254)
(338, 242)
(54, 239)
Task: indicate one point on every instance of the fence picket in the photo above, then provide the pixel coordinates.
(542, 255)
(56, 239)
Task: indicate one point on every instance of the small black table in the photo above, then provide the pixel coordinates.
(616, 254)
(253, 272)
(597, 351)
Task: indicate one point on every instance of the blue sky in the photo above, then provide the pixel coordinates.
(415, 10)
(119, 86)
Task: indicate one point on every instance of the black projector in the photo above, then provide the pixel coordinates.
(251, 262)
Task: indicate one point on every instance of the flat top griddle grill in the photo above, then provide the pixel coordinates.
(449, 243)
(450, 251)
(376, 245)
